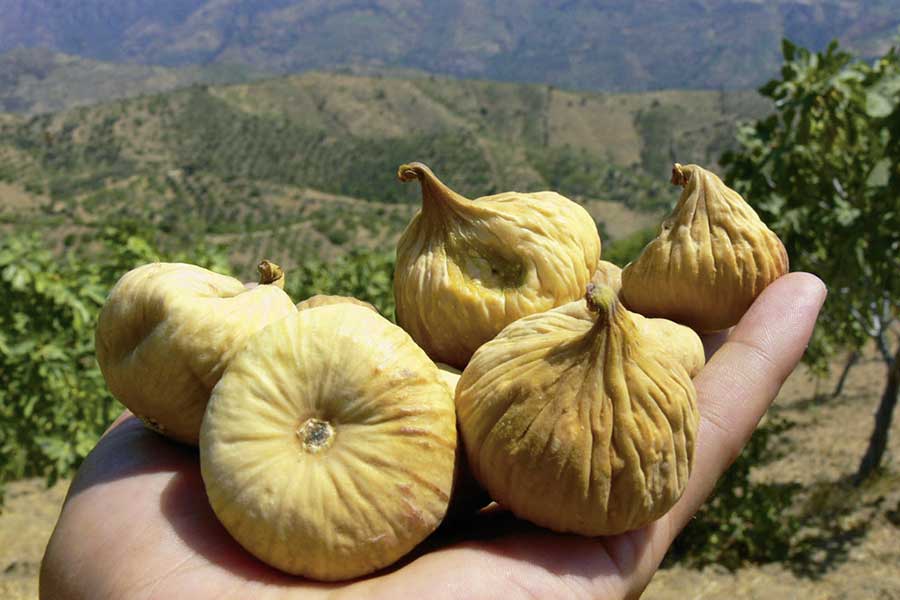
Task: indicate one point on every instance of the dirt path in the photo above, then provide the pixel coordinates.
(857, 556)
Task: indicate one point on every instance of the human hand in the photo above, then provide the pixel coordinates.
(136, 523)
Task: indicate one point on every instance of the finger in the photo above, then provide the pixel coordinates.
(742, 378)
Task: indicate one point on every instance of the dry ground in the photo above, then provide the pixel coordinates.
(856, 556)
(25, 526)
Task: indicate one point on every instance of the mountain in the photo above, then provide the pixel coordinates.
(306, 165)
(582, 44)
(37, 80)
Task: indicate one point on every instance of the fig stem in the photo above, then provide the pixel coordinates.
(434, 191)
(602, 302)
(270, 273)
(600, 298)
(680, 176)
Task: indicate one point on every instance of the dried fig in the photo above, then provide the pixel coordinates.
(167, 331)
(328, 446)
(574, 421)
(712, 258)
(467, 268)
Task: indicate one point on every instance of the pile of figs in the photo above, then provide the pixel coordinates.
(522, 369)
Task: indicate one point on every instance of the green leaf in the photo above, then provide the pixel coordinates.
(880, 173)
(822, 171)
(878, 105)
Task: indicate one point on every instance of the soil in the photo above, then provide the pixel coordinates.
(28, 517)
(853, 553)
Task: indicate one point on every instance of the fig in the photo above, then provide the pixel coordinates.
(712, 258)
(328, 447)
(577, 422)
(167, 331)
(467, 268)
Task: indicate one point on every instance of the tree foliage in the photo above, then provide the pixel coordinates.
(363, 274)
(53, 400)
(624, 250)
(52, 397)
(824, 172)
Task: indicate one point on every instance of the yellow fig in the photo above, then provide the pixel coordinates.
(467, 268)
(574, 421)
(167, 331)
(712, 258)
(328, 447)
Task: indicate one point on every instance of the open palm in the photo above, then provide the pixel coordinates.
(136, 523)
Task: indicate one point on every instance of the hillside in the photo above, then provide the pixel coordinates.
(306, 165)
(608, 44)
(38, 81)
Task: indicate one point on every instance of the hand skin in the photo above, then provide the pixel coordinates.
(136, 523)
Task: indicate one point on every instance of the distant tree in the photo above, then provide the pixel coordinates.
(824, 171)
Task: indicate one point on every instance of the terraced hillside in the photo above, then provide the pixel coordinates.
(304, 165)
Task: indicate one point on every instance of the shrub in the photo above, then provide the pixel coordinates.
(53, 401)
